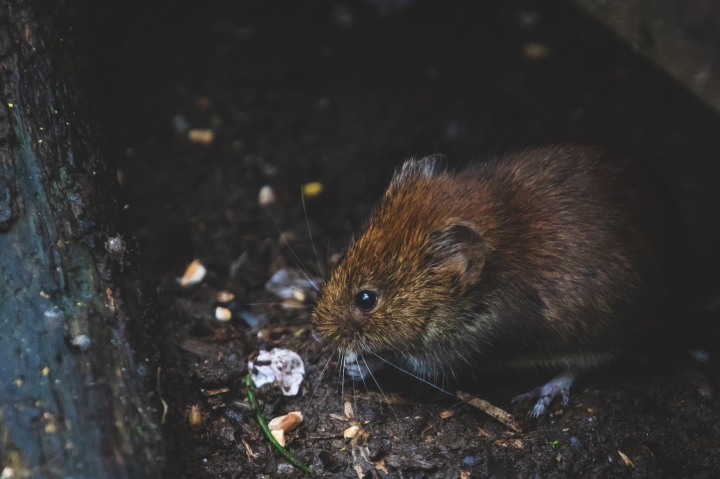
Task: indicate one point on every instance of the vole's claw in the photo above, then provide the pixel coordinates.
(558, 387)
(534, 394)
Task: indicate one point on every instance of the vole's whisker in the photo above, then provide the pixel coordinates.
(413, 375)
(297, 261)
(354, 396)
(342, 385)
(319, 381)
(312, 242)
(321, 353)
(378, 385)
(327, 259)
(255, 271)
(362, 377)
(263, 304)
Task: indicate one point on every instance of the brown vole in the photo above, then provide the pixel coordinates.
(549, 257)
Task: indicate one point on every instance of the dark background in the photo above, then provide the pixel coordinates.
(343, 92)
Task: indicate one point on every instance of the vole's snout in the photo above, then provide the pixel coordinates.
(343, 333)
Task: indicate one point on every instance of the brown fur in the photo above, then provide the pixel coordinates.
(548, 256)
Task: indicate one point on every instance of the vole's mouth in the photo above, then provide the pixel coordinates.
(358, 367)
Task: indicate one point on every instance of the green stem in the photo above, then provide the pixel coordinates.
(263, 425)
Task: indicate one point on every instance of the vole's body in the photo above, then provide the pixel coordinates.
(547, 257)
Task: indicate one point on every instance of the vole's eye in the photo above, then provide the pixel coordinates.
(366, 300)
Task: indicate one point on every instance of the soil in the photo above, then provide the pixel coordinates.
(340, 93)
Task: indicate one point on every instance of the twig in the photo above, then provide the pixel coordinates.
(499, 414)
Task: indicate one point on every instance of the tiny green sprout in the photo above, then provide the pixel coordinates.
(554, 443)
(343, 449)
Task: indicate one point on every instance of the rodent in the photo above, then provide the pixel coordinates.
(549, 257)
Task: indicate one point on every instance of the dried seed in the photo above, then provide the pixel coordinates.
(225, 296)
(266, 196)
(195, 416)
(287, 422)
(351, 432)
(194, 274)
(279, 436)
(536, 51)
(447, 414)
(223, 314)
(203, 137)
(312, 189)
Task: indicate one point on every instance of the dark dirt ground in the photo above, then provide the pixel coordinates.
(341, 93)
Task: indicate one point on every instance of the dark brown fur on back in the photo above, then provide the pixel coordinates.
(548, 256)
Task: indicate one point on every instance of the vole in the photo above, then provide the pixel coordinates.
(545, 258)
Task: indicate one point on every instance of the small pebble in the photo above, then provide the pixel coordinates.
(471, 460)
(180, 124)
(81, 342)
(701, 356)
(284, 467)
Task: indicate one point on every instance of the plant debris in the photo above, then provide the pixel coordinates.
(280, 366)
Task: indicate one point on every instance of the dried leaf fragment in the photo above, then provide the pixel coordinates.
(626, 459)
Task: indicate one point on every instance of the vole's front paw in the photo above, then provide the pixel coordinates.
(559, 387)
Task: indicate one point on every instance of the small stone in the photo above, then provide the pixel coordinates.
(81, 342)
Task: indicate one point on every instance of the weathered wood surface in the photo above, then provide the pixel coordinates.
(65, 271)
(682, 36)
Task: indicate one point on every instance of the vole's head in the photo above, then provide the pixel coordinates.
(403, 284)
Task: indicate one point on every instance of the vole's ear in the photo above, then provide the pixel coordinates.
(414, 169)
(458, 249)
